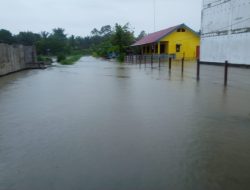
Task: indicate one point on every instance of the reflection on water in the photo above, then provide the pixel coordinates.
(99, 125)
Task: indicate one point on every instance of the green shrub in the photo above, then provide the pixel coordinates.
(61, 57)
(40, 58)
(48, 60)
(70, 60)
(94, 54)
(44, 59)
(120, 57)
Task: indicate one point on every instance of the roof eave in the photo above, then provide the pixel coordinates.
(179, 26)
(168, 33)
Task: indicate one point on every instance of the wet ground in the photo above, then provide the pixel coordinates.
(99, 125)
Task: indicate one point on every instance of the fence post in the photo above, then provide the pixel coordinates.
(170, 63)
(226, 73)
(198, 70)
(182, 65)
(159, 61)
(151, 61)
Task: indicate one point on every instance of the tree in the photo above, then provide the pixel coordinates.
(105, 30)
(72, 42)
(57, 42)
(122, 38)
(58, 33)
(101, 42)
(44, 34)
(6, 36)
(27, 38)
(95, 32)
(141, 35)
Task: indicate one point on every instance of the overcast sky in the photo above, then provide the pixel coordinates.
(79, 17)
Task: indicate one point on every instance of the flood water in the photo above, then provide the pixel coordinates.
(98, 125)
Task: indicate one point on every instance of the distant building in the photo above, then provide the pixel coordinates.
(225, 31)
(179, 41)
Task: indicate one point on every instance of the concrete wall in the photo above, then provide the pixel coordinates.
(15, 57)
(225, 31)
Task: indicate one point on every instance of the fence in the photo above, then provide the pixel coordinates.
(162, 60)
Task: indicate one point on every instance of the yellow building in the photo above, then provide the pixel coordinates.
(179, 41)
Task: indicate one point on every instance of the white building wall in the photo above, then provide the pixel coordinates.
(225, 31)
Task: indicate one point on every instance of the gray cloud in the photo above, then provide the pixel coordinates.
(79, 17)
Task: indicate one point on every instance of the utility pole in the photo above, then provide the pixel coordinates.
(154, 13)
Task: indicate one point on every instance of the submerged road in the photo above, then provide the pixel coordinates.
(98, 125)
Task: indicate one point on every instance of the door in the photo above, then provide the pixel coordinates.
(163, 49)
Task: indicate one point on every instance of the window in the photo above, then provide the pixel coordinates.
(178, 48)
(181, 30)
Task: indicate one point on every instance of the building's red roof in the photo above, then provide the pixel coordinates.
(156, 36)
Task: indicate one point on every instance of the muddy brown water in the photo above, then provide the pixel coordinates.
(98, 125)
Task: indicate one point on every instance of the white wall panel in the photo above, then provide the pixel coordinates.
(216, 18)
(234, 48)
(226, 31)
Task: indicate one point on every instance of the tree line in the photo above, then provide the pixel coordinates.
(104, 42)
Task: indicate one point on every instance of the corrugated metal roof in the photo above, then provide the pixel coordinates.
(156, 36)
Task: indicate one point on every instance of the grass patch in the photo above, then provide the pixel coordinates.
(71, 59)
(45, 59)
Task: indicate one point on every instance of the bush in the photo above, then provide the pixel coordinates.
(48, 60)
(120, 57)
(44, 59)
(71, 60)
(40, 58)
(61, 57)
(94, 54)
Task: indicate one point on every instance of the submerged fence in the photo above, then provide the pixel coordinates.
(158, 61)
(142, 59)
